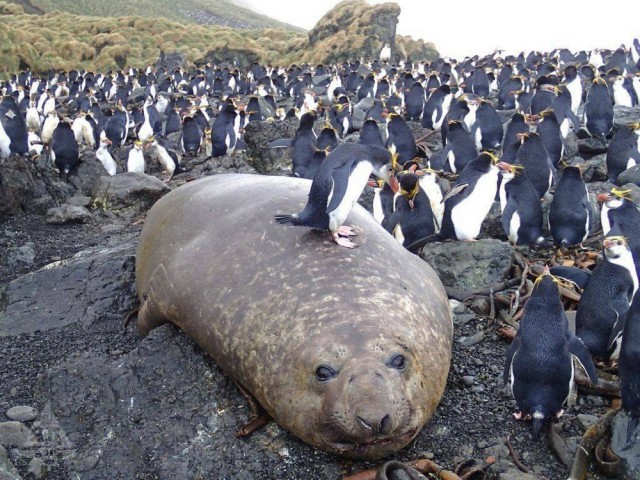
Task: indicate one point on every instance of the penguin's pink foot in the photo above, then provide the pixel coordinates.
(519, 416)
(343, 242)
(560, 413)
(345, 231)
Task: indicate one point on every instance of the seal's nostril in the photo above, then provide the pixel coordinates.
(364, 423)
(385, 425)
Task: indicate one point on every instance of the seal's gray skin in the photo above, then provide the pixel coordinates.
(348, 350)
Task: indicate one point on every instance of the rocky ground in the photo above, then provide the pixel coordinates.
(106, 404)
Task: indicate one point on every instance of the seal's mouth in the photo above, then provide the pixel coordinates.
(351, 448)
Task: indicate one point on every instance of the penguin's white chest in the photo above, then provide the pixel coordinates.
(135, 161)
(107, 160)
(378, 214)
(356, 182)
(5, 141)
(467, 216)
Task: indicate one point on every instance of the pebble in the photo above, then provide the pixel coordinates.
(467, 380)
(20, 256)
(471, 340)
(586, 420)
(461, 319)
(37, 469)
(16, 434)
(22, 413)
(7, 470)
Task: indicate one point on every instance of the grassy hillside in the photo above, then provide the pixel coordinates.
(208, 12)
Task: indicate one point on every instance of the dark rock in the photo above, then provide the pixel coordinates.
(68, 214)
(267, 160)
(86, 288)
(630, 175)
(360, 110)
(22, 413)
(470, 265)
(630, 454)
(492, 224)
(79, 200)
(37, 470)
(135, 190)
(7, 470)
(16, 434)
(591, 146)
(571, 145)
(625, 115)
(171, 61)
(240, 56)
(24, 255)
(88, 173)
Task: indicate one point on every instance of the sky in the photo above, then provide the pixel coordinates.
(468, 27)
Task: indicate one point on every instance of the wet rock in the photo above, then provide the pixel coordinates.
(267, 160)
(22, 413)
(89, 287)
(630, 175)
(625, 115)
(37, 469)
(7, 470)
(130, 189)
(591, 146)
(66, 213)
(20, 256)
(16, 434)
(630, 454)
(470, 265)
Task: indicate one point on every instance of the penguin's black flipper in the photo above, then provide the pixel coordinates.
(454, 191)
(340, 177)
(580, 352)
(513, 348)
(510, 208)
(573, 274)
(573, 119)
(635, 154)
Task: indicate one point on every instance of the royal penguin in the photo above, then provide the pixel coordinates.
(512, 135)
(414, 102)
(533, 156)
(436, 108)
(385, 53)
(370, 134)
(63, 149)
(33, 117)
(400, 139)
(191, 140)
(606, 298)
(174, 121)
(543, 97)
(570, 212)
(166, 156)
(225, 131)
(460, 149)
(117, 128)
(14, 135)
(336, 188)
(135, 158)
(481, 82)
(628, 371)
(105, 157)
(574, 84)
(624, 94)
(539, 364)
(383, 199)
(326, 142)
(83, 130)
(50, 123)
(548, 128)
(561, 107)
(468, 202)
(487, 131)
(507, 92)
(303, 144)
(623, 151)
(520, 206)
(598, 111)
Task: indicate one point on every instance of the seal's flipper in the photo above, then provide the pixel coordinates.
(153, 312)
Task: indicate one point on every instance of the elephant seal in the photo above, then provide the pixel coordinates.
(349, 350)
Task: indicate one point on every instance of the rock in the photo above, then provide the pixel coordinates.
(571, 144)
(16, 256)
(360, 110)
(16, 434)
(625, 115)
(68, 214)
(492, 224)
(467, 380)
(84, 289)
(37, 469)
(586, 421)
(630, 175)
(135, 190)
(267, 160)
(238, 55)
(22, 413)
(470, 265)
(79, 200)
(629, 454)
(515, 474)
(7, 470)
(88, 172)
(591, 146)
(171, 61)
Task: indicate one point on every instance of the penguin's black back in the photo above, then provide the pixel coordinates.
(523, 199)
(549, 131)
(570, 214)
(623, 146)
(533, 156)
(370, 134)
(65, 147)
(628, 362)
(599, 111)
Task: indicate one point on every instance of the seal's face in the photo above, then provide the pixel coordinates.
(364, 401)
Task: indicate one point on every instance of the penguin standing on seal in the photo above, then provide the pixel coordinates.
(598, 111)
(628, 371)
(539, 363)
(470, 199)
(63, 150)
(336, 188)
(570, 214)
(623, 151)
(606, 298)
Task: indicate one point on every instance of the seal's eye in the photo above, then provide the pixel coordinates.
(398, 362)
(324, 373)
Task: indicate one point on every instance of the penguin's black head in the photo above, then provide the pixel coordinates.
(409, 185)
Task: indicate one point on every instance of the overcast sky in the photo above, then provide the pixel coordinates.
(467, 27)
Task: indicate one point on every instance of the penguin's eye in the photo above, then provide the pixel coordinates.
(398, 362)
(325, 373)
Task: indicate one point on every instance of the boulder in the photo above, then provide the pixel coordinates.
(19, 256)
(591, 146)
(171, 61)
(66, 213)
(136, 190)
(470, 266)
(629, 454)
(16, 434)
(7, 470)
(630, 175)
(625, 115)
(263, 157)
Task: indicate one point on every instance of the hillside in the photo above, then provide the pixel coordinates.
(206, 12)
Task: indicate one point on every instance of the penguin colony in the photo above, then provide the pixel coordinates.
(503, 121)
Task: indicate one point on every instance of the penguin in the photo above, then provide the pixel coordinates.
(191, 141)
(520, 206)
(623, 151)
(436, 108)
(340, 116)
(336, 187)
(606, 298)
(570, 214)
(326, 142)
(533, 156)
(460, 149)
(623, 92)
(480, 82)
(549, 130)
(383, 200)
(303, 144)
(628, 372)
(50, 123)
(598, 111)
(412, 218)
(539, 363)
(574, 84)
(63, 150)
(118, 126)
(103, 154)
(14, 136)
(174, 123)
(33, 117)
(487, 131)
(512, 134)
(385, 53)
(507, 92)
(135, 158)
(430, 183)
(370, 134)
(400, 139)
(561, 106)
(83, 130)
(167, 157)
(543, 97)
(414, 101)
(225, 132)
(470, 199)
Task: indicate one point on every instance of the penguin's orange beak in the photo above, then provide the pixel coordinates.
(603, 197)
(394, 184)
